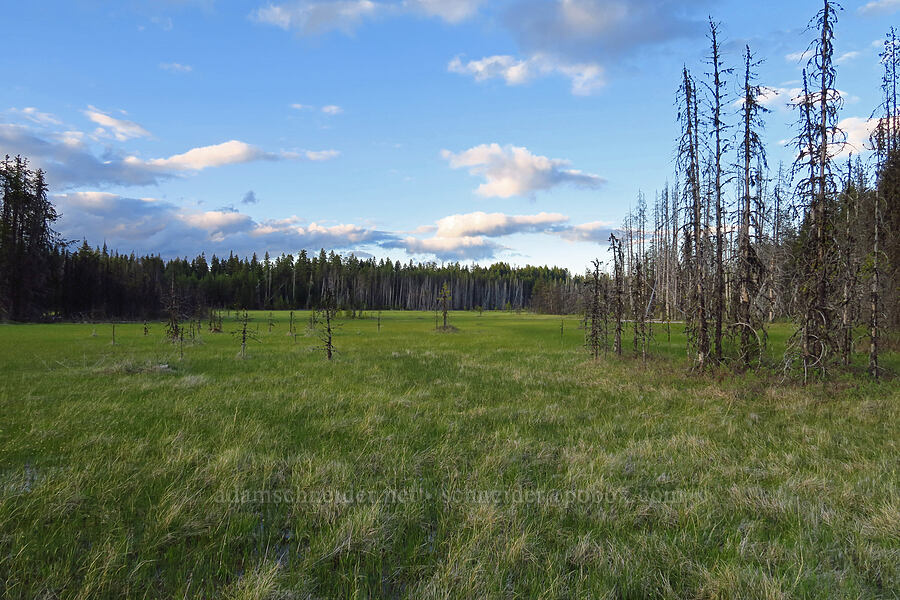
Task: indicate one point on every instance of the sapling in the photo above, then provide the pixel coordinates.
(244, 333)
(327, 313)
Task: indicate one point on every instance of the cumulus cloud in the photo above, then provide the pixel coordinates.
(589, 30)
(879, 7)
(858, 131)
(70, 162)
(458, 248)
(110, 126)
(514, 171)
(176, 67)
(154, 226)
(466, 236)
(495, 224)
(586, 78)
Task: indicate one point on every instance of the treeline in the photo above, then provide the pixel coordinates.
(95, 283)
(42, 277)
(734, 245)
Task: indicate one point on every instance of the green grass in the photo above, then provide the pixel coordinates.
(496, 461)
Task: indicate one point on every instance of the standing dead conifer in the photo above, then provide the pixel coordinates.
(618, 307)
(173, 323)
(327, 313)
(689, 161)
(445, 299)
(243, 333)
(595, 318)
(818, 140)
(753, 158)
(718, 99)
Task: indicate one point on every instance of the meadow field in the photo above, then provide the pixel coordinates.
(496, 461)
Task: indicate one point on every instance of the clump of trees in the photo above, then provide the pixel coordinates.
(732, 245)
(28, 242)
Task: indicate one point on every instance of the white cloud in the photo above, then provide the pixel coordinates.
(847, 57)
(310, 18)
(297, 106)
(321, 155)
(586, 78)
(197, 159)
(798, 57)
(514, 171)
(70, 162)
(879, 7)
(121, 129)
(36, 116)
(176, 67)
(494, 224)
(452, 11)
(459, 248)
(332, 109)
(466, 236)
(858, 131)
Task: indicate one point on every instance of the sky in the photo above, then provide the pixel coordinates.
(427, 130)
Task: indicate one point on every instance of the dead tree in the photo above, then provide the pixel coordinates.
(818, 139)
(594, 312)
(689, 161)
(173, 323)
(244, 333)
(326, 315)
(445, 299)
(718, 99)
(618, 305)
(753, 157)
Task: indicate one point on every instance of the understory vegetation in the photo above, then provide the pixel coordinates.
(498, 462)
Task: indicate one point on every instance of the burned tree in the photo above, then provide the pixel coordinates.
(618, 305)
(689, 162)
(594, 316)
(818, 140)
(718, 98)
(445, 298)
(753, 160)
(325, 317)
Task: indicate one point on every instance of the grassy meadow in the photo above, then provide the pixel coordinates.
(497, 461)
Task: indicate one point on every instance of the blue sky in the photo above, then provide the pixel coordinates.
(515, 130)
